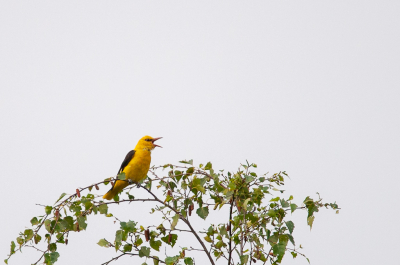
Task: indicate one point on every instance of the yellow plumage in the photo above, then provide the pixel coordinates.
(135, 166)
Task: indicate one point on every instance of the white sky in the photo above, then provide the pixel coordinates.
(310, 87)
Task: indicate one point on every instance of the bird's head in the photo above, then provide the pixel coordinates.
(147, 142)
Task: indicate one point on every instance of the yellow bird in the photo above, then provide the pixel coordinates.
(135, 165)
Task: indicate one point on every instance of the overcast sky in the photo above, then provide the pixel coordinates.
(310, 87)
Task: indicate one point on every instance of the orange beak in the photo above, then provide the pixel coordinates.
(155, 139)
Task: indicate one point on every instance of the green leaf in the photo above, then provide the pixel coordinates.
(48, 209)
(128, 248)
(103, 243)
(34, 221)
(51, 258)
(307, 201)
(60, 238)
(144, 252)
(67, 223)
(103, 208)
(81, 222)
(28, 233)
(47, 225)
(279, 249)
(334, 205)
(148, 184)
(20, 240)
(76, 208)
(174, 237)
(171, 260)
(217, 254)
(12, 248)
(174, 221)
(223, 231)
(190, 162)
(293, 207)
(177, 175)
(138, 242)
(272, 213)
(294, 254)
(107, 181)
(87, 202)
(312, 207)
(121, 176)
(54, 256)
(131, 197)
(244, 259)
(245, 203)
(118, 236)
(290, 226)
(208, 239)
(275, 199)
(249, 179)
(219, 244)
(284, 203)
(188, 261)
(128, 226)
(202, 212)
(273, 239)
(155, 244)
(62, 196)
(291, 239)
(232, 185)
(310, 221)
(156, 261)
(263, 258)
(53, 247)
(208, 166)
(197, 183)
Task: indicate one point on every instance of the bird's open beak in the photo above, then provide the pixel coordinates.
(155, 139)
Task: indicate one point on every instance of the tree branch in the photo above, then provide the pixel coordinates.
(134, 200)
(230, 232)
(186, 222)
(130, 254)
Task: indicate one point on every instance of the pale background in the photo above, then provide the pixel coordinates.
(310, 87)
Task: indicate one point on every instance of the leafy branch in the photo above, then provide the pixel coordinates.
(256, 225)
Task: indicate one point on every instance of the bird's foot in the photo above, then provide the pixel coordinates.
(138, 185)
(130, 181)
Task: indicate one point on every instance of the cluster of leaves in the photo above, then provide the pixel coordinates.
(59, 220)
(255, 227)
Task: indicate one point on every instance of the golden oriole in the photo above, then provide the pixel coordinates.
(135, 165)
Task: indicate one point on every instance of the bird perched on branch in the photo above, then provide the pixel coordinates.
(135, 165)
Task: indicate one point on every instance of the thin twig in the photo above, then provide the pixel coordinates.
(230, 231)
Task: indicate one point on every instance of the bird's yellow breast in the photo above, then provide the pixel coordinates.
(137, 168)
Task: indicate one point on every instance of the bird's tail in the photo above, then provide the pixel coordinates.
(119, 185)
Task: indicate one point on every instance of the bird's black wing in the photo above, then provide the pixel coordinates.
(126, 161)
